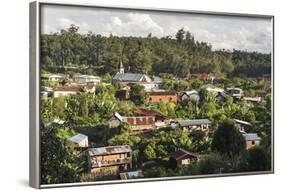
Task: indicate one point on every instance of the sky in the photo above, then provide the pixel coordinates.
(222, 32)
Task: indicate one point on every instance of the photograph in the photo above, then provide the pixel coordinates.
(132, 94)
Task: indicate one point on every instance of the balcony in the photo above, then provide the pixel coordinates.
(104, 163)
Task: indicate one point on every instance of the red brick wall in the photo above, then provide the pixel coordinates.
(166, 99)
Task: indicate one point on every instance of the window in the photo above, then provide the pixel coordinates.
(253, 142)
(150, 99)
(185, 161)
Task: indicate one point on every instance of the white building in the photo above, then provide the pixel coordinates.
(136, 78)
(72, 90)
(86, 79)
(52, 77)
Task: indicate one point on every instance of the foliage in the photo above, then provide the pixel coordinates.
(138, 94)
(180, 55)
(58, 165)
(258, 159)
(228, 140)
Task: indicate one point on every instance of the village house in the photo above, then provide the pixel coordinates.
(122, 94)
(110, 160)
(191, 95)
(183, 157)
(52, 77)
(164, 96)
(221, 96)
(202, 76)
(214, 90)
(135, 78)
(194, 125)
(72, 90)
(235, 92)
(80, 143)
(138, 124)
(252, 99)
(251, 140)
(160, 120)
(131, 175)
(84, 79)
(241, 125)
(79, 140)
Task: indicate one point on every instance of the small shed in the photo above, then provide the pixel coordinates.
(241, 125)
(79, 140)
(191, 95)
(131, 175)
(183, 157)
(252, 140)
(115, 120)
(196, 124)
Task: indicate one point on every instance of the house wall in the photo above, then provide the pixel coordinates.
(203, 127)
(165, 99)
(63, 93)
(83, 143)
(141, 123)
(251, 144)
(114, 122)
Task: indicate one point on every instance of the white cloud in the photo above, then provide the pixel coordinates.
(134, 24)
(226, 32)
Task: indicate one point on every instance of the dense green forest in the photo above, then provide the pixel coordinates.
(180, 55)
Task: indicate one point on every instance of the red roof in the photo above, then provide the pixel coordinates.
(73, 88)
(165, 93)
(68, 88)
(202, 76)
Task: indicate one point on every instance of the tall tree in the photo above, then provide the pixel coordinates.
(228, 140)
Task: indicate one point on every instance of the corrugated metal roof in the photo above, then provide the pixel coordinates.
(181, 153)
(185, 123)
(190, 92)
(251, 136)
(78, 138)
(118, 116)
(242, 122)
(131, 77)
(109, 150)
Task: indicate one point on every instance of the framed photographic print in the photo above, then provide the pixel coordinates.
(126, 94)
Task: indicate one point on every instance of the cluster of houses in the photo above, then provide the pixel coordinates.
(117, 160)
(151, 85)
(73, 86)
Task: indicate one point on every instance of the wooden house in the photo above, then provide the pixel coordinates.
(194, 125)
(251, 140)
(79, 140)
(160, 120)
(183, 157)
(138, 124)
(187, 96)
(164, 96)
(110, 159)
(72, 90)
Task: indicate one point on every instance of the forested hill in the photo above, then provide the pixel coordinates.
(179, 55)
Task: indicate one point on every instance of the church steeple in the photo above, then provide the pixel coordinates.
(121, 67)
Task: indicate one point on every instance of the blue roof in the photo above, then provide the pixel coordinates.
(186, 123)
(78, 138)
(251, 137)
(129, 77)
